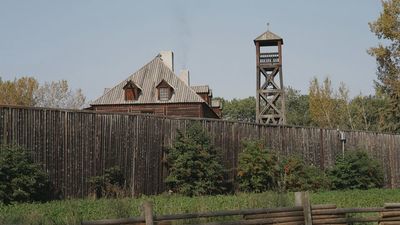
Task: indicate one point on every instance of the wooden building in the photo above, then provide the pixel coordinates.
(156, 89)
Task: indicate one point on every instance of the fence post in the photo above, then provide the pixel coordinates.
(303, 199)
(147, 208)
(297, 199)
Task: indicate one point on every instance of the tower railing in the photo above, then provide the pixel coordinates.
(269, 58)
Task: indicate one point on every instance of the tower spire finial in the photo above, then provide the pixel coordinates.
(267, 26)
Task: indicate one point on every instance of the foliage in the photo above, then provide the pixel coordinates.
(331, 108)
(111, 184)
(297, 108)
(27, 91)
(239, 109)
(18, 92)
(72, 212)
(356, 171)
(195, 167)
(21, 180)
(297, 176)
(387, 27)
(356, 198)
(322, 106)
(58, 95)
(366, 111)
(258, 168)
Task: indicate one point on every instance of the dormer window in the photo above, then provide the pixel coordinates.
(165, 91)
(132, 91)
(164, 94)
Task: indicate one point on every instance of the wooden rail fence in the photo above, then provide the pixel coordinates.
(76, 145)
(302, 214)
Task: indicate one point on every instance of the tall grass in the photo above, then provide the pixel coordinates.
(73, 211)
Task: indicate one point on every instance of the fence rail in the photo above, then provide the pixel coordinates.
(76, 145)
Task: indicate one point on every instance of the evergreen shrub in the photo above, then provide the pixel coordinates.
(195, 167)
(356, 170)
(21, 180)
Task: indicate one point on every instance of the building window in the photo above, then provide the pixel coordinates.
(164, 90)
(129, 94)
(164, 93)
(132, 91)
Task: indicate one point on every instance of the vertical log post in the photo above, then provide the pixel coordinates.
(298, 199)
(147, 210)
(303, 199)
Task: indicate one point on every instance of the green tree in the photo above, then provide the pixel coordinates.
(195, 167)
(356, 171)
(297, 108)
(21, 180)
(240, 109)
(367, 112)
(387, 27)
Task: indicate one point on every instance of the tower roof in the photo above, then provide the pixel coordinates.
(268, 38)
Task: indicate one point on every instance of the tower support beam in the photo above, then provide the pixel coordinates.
(270, 94)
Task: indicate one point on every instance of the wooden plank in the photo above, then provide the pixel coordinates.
(392, 205)
(75, 145)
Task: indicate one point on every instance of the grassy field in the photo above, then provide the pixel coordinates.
(73, 211)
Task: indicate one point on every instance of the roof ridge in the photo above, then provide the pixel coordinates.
(268, 35)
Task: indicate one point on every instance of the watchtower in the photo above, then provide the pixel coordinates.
(270, 105)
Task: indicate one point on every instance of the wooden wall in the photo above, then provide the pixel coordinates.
(75, 145)
(176, 109)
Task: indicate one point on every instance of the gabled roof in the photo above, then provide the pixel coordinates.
(147, 78)
(268, 36)
(164, 82)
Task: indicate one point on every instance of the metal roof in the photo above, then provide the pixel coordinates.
(201, 88)
(268, 36)
(148, 77)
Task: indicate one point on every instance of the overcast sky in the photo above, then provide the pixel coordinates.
(96, 44)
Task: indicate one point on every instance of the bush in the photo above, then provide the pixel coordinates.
(195, 167)
(21, 180)
(111, 184)
(258, 168)
(297, 176)
(356, 171)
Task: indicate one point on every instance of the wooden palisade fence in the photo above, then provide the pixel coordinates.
(76, 145)
(302, 214)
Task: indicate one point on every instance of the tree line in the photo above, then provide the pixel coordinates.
(27, 91)
(325, 107)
